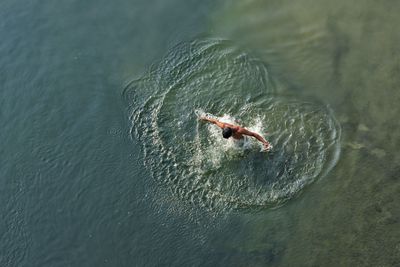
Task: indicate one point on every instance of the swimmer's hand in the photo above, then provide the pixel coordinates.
(205, 118)
(266, 147)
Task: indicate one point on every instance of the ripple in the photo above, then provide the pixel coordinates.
(193, 160)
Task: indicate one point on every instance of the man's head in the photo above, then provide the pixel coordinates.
(227, 132)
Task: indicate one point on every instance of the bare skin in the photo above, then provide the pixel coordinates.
(238, 132)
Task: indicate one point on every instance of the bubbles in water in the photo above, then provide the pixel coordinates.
(193, 159)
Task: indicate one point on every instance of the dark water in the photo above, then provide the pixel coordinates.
(93, 172)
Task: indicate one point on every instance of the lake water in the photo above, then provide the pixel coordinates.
(105, 163)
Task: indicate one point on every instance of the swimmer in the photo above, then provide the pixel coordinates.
(236, 131)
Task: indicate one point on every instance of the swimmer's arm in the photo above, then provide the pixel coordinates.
(256, 136)
(214, 121)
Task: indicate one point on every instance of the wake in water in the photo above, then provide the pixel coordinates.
(192, 158)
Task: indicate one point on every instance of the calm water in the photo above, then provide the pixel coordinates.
(103, 161)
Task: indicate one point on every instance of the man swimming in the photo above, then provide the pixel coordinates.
(236, 132)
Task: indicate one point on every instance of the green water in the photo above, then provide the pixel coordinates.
(97, 168)
(203, 168)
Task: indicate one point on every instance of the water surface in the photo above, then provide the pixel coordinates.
(85, 183)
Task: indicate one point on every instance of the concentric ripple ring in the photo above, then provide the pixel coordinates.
(191, 158)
